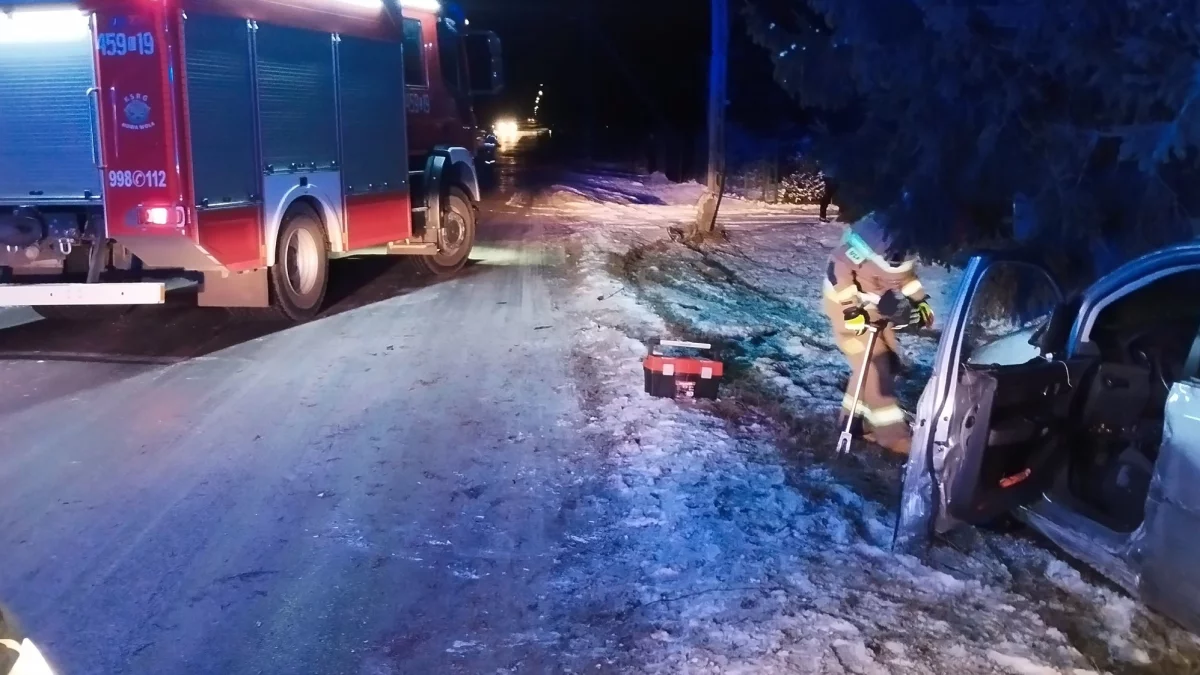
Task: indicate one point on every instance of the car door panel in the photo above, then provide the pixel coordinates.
(971, 419)
(1010, 418)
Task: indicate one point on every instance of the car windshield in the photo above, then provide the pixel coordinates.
(1012, 302)
(1013, 347)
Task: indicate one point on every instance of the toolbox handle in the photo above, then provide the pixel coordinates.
(687, 345)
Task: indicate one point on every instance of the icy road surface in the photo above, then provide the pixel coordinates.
(384, 490)
(464, 477)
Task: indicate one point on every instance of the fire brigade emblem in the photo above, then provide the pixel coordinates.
(137, 112)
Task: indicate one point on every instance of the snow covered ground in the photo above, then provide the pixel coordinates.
(754, 550)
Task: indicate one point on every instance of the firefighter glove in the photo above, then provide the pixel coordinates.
(895, 309)
(923, 314)
(856, 320)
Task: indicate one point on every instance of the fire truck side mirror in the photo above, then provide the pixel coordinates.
(485, 63)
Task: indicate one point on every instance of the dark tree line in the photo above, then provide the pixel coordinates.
(943, 114)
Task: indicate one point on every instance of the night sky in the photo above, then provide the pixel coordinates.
(629, 78)
(635, 63)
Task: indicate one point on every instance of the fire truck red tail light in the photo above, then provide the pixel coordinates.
(158, 215)
(162, 216)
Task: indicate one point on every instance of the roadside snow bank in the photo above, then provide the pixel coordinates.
(726, 557)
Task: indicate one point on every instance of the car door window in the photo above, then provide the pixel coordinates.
(1012, 301)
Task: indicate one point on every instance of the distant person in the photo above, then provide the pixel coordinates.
(870, 280)
(828, 191)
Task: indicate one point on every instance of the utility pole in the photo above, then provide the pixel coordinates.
(589, 77)
(718, 82)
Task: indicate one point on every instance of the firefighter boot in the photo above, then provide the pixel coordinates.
(896, 437)
(900, 446)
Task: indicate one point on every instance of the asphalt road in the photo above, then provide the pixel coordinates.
(384, 490)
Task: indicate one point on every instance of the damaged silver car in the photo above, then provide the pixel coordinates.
(1080, 416)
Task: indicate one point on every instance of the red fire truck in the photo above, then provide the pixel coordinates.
(232, 147)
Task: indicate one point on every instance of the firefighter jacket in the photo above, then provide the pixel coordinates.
(863, 268)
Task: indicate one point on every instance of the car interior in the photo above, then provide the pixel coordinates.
(1144, 343)
(1086, 431)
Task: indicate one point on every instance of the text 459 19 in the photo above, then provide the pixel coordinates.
(120, 44)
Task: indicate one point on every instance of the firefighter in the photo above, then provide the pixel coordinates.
(869, 280)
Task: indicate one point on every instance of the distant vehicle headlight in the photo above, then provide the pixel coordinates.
(507, 128)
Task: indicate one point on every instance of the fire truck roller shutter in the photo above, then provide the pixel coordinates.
(374, 141)
(297, 110)
(222, 118)
(220, 92)
(47, 143)
(297, 99)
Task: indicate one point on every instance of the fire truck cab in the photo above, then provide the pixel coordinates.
(232, 146)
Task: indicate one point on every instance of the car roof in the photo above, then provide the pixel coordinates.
(1169, 257)
(1135, 274)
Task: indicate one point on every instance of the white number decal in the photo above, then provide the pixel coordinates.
(137, 179)
(120, 179)
(418, 103)
(122, 44)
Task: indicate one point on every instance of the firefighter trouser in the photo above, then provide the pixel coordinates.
(877, 406)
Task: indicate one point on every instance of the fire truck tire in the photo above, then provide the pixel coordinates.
(300, 276)
(458, 236)
(80, 313)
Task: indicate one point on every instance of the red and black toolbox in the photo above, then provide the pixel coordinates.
(677, 369)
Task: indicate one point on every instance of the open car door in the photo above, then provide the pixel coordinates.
(985, 439)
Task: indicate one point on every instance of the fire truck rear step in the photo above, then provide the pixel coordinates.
(414, 248)
(134, 293)
(393, 248)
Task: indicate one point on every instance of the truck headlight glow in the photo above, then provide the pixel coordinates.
(44, 25)
(507, 129)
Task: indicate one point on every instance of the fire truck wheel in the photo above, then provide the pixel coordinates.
(458, 236)
(82, 312)
(300, 275)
